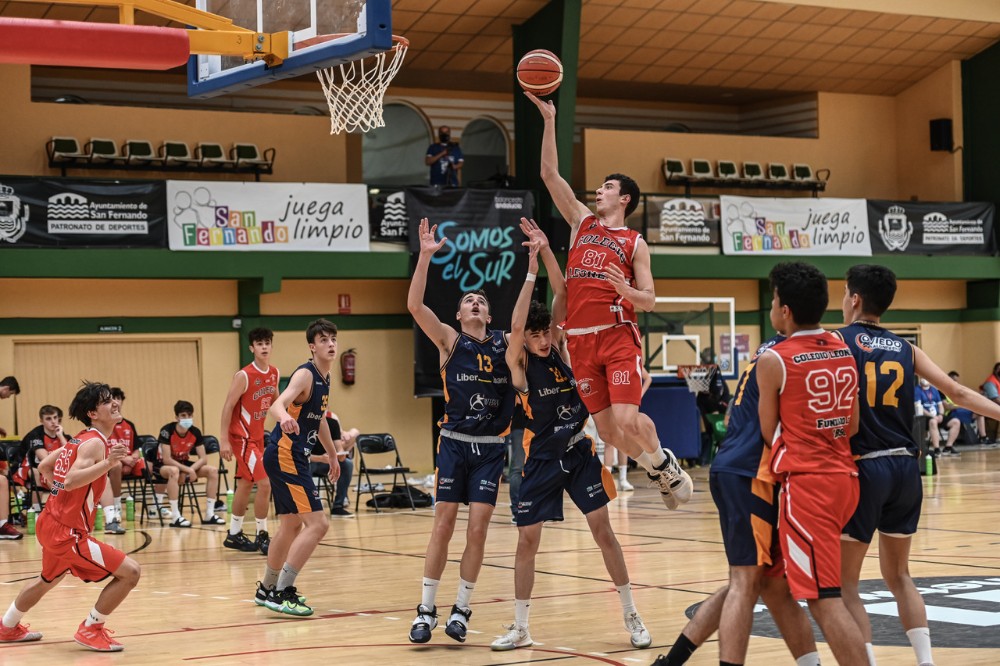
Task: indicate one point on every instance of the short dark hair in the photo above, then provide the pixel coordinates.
(260, 334)
(953, 374)
(49, 409)
(11, 382)
(87, 399)
(876, 285)
(479, 292)
(117, 393)
(626, 186)
(539, 317)
(802, 287)
(320, 326)
(183, 406)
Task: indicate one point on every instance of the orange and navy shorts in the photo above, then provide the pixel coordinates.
(607, 366)
(748, 515)
(66, 549)
(292, 486)
(814, 510)
(249, 459)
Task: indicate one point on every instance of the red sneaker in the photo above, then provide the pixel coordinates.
(8, 531)
(18, 634)
(97, 638)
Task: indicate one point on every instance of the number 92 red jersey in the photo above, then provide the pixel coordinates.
(815, 405)
(590, 299)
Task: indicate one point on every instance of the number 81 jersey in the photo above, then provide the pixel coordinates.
(590, 299)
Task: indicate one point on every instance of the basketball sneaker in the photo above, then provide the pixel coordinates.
(674, 483)
(262, 542)
(287, 601)
(9, 532)
(423, 624)
(18, 634)
(458, 623)
(239, 542)
(640, 637)
(96, 637)
(114, 527)
(516, 637)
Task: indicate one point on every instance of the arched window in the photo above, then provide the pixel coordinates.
(484, 145)
(394, 154)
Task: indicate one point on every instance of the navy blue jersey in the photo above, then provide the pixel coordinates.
(742, 451)
(309, 414)
(479, 400)
(552, 406)
(885, 388)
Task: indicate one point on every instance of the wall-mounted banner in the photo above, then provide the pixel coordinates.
(387, 215)
(299, 217)
(483, 251)
(57, 212)
(917, 227)
(752, 226)
(683, 222)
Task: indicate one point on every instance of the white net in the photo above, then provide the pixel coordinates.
(698, 377)
(355, 90)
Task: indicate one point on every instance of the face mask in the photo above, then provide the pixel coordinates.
(186, 423)
(445, 138)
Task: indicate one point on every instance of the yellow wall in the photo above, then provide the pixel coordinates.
(310, 296)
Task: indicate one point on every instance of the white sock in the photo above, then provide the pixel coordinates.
(175, 512)
(808, 659)
(623, 473)
(118, 507)
(871, 654)
(521, 607)
(465, 589)
(658, 456)
(37, 508)
(3, 522)
(235, 524)
(920, 639)
(261, 525)
(651, 461)
(161, 499)
(12, 617)
(109, 514)
(209, 508)
(611, 469)
(430, 591)
(95, 618)
(625, 596)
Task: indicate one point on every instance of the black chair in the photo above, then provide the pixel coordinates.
(212, 446)
(374, 445)
(150, 450)
(14, 452)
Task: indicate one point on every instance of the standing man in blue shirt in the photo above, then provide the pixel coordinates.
(445, 160)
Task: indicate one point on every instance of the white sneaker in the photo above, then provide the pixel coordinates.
(640, 637)
(516, 637)
(624, 486)
(674, 483)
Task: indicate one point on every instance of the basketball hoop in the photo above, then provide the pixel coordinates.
(354, 90)
(698, 377)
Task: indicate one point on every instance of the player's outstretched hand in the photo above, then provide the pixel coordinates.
(546, 108)
(289, 425)
(427, 243)
(616, 277)
(530, 229)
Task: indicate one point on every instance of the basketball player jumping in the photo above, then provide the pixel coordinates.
(479, 405)
(78, 473)
(607, 277)
(250, 396)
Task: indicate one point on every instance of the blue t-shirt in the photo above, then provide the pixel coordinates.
(443, 171)
(990, 391)
(928, 398)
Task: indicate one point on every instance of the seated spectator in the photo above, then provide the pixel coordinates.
(991, 389)
(38, 443)
(959, 415)
(7, 531)
(8, 387)
(178, 440)
(319, 462)
(714, 401)
(927, 402)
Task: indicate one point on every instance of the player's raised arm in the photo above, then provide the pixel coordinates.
(562, 194)
(770, 375)
(961, 395)
(442, 335)
(518, 319)
(643, 294)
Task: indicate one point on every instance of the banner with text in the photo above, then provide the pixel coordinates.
(387, 215)
(766, 226)
(683, 222)
(289, 217)
(931, 228)
(57, 212)
(483, 251)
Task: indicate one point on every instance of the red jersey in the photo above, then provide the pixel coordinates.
(75, 508)
(592, 300)
(247, 419)
(815, 405)
(181, 446)
(124, 434)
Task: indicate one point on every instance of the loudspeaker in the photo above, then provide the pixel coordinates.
(941, 134)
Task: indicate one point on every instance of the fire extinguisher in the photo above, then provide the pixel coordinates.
(348, 363)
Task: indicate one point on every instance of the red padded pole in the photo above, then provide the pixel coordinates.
(79, 44)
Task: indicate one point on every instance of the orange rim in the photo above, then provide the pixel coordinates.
(397, 40)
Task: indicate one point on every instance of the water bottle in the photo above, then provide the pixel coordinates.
(129, 509)
(229, 501)
(31, 521)
(99, 519)
(928, 464)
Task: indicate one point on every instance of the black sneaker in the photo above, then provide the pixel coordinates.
(426, 620)
(950, 451)
(458, 623)
(261, 596)
(262, 542)
(339, 511)
(239, 542)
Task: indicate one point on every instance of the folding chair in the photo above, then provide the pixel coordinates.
(373, 445)
(150, 450)
(15, 453)
(212, 446)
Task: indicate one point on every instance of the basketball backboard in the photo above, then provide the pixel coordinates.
(682, 330)
(366, 29)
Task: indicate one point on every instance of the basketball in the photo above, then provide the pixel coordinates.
(540, 72)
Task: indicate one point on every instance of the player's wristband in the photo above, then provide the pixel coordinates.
(530, 277)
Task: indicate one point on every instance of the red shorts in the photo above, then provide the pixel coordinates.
(135, 469)
(607, 366)
(809, 526)
(65, 549)
(249, 459)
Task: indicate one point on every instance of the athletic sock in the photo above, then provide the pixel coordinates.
(681, 651)
(109, 514)
(235, 524)
(261, 525)
(920, 639)
(652, 462)
(287, 577)
(95, 618)
(209, 507)
(175, 513)
(118, 507)
(3, 522)
(625, 596)
(808, 659)
(430, 590)
(161, 499)
(871, 654)
(521, 608)
(465, 589)
(623, 473)
(270, 578)
(658, 457)
(12, 617)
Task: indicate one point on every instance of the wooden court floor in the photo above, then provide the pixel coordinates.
(193, 604)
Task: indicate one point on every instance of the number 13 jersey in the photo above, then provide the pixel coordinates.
(590, 299)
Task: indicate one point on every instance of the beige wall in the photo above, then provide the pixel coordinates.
(314, 296)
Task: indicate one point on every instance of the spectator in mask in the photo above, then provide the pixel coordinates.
(445, 160)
